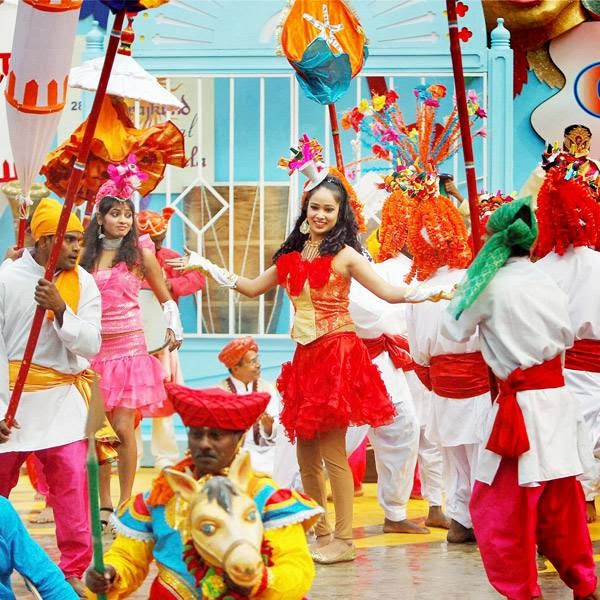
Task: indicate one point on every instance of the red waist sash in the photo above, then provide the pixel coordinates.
(509, 434)
(584, 356)
(459, 375)
(395, 345)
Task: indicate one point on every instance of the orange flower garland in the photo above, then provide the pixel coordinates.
(567, 214)
(445, 239)
(393, 231)
(356, 205)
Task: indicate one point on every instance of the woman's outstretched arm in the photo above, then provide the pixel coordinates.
(359, 268)
(251, 288)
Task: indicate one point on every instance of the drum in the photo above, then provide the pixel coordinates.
(155, 324)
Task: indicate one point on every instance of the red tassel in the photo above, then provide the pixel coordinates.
(509, 434)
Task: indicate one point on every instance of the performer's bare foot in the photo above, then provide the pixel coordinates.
(459, 534)
(78, 586)
(437, 518)
(335, 552)
(46, 515)
(590, 510)
(404, 526)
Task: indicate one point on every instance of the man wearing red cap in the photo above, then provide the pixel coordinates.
(240, 356)
(147, 525)
(164, 446)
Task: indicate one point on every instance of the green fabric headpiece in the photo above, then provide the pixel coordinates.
(505, 233)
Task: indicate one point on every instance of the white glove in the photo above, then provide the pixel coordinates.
(422, 292)
(222, 276)
(171, 313)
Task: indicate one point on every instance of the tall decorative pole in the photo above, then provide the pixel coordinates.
(500, 113)
(467, 142)
(71, 194)
(326, 45)
(463, 117)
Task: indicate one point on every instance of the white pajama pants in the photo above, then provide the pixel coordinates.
(460, 463)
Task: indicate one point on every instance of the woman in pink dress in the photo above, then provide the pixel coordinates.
(131, 380)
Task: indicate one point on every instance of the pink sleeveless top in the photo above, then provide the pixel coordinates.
(119, 289)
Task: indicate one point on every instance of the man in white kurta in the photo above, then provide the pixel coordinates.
(51, 421)
(395, 445)
(460, 398)
(577, 273)
(526, 493)
(568, 224)
(241, 358)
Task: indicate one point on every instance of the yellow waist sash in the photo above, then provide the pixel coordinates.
(44, 378)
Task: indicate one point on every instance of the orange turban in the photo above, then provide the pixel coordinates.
(235, 351)
(45, 222)
(153, 223)
(46, 216)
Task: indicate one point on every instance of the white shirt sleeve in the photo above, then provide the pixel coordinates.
(80, 332)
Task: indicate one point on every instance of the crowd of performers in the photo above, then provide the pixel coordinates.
(483, 372)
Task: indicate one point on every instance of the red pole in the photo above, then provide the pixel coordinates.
(463, 118)
(74, 181)
(467, 142)
(335, 133)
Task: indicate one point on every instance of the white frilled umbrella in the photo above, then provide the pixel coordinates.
(36, 84)
(127, 80)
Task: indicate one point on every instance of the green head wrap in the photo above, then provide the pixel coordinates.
(506, 232)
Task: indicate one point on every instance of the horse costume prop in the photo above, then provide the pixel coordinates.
(223, 523)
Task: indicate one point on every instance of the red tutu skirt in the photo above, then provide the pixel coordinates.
(331, 383)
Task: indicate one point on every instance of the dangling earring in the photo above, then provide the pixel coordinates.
(304, 227)
(101, 235)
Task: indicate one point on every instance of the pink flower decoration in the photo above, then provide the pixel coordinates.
(389, 135)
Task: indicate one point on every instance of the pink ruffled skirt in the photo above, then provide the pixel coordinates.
(129, 376)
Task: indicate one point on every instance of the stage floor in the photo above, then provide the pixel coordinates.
(388, 565)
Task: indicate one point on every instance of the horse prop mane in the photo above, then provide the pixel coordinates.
(224, 522)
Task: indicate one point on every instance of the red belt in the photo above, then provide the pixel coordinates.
(395, 345)
(584, 356)
(459, 375)
(509, 434)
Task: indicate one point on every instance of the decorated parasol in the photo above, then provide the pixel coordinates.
(115, 135)
(128, 79)
(36, 86)
(326, 45)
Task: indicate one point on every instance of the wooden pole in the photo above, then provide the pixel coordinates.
(74, 181)
(335, 133)
(465, 127)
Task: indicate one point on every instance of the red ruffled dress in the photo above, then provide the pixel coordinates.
(331, 382)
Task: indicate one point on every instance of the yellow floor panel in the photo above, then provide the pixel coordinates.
(368, 515)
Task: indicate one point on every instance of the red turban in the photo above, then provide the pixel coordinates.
(235, 351)
(217, 408)
(152, 223)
